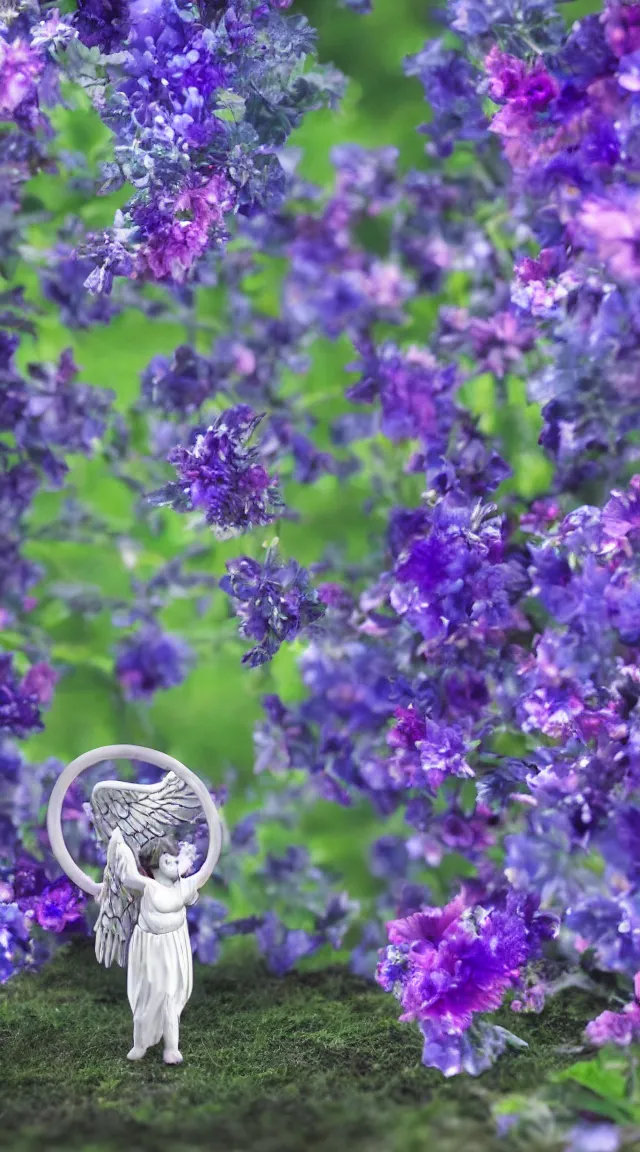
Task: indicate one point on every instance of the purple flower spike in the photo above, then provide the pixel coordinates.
(151, 661)
(221, 475)
(19, 703)
(273, 600)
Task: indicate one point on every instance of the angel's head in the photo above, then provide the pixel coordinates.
(161, 855)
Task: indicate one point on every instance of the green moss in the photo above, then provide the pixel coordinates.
(316, 1061)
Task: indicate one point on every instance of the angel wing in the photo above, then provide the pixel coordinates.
(142, 812)
(119, 908)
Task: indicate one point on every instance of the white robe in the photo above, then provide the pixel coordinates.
(160, 964)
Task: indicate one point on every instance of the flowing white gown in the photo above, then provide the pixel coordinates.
(160, 964)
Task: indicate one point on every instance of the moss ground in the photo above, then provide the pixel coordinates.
(313, 1063)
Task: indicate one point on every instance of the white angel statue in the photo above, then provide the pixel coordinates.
(145, 891)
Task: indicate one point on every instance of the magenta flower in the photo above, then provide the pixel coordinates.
(177, 234)
(621, 1028)
(20, 69)
(613, 226)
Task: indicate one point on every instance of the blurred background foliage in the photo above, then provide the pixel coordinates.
(208, 721)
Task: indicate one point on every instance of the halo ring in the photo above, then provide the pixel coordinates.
(127, 752)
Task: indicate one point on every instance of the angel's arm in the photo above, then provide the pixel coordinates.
(125, 866)
(134, 882)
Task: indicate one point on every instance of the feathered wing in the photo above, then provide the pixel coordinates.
(119, 907)
(143, 812)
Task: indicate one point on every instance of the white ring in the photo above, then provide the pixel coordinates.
(147, 756)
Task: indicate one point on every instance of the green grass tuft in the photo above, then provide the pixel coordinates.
(316, 1061)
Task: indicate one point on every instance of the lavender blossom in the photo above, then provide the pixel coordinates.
(273, 600)
(19, 703)
(222, 477)
(150, 661)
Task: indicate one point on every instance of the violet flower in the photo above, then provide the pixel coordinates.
(273, 600)
(220, 475)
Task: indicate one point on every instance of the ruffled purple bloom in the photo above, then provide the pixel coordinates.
(220, 475)
(102, 24)
(59, 905)
(446, 965)
(274, 601)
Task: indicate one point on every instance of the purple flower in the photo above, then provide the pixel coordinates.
(60, 412)
(528, 90)
(427, 752)
(59, 905)
(19, 703)
(40, 681)
(274, 601)
(613, 227)
(206, 919)
(446, 965)
(415, 393)
(220, 475)
(175, 233)
(14, 940)
(622, 27)
(621, 1028)
(451, 86)
(150, 661)
(283, 947)
(180, 385)
(102, 23)
(472, 1052)
(20, 70)
(452, 578)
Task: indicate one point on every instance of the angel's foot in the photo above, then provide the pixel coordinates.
(136, 1053)
(172, 1056)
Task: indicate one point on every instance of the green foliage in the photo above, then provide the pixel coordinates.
(315, 1061)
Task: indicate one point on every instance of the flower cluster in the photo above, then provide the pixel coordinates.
(221, 476)
(273, 601)
(200, 98)
(446, 965)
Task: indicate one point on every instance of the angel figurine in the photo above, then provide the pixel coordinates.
(145, 890)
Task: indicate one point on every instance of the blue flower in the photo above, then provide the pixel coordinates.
(150, 661)
(274, 601)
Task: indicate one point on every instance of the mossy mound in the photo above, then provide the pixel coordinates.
(316, 1061)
